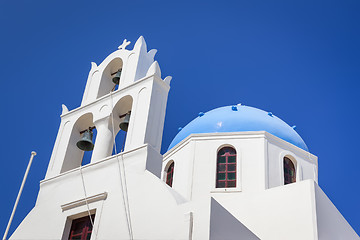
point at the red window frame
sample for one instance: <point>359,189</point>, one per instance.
<point>170,174</point>
<point>289,171</point>
<point>81,227</point>
<point>226,168</point>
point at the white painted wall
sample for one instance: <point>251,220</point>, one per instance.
<point>153,209</point>
<point>305,162</point>
<point>259,157</point>
<point>330,223</point>
<point>280,213</point>
<point>260,202</point>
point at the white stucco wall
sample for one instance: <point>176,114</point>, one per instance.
<point>153,210</point>
<point>280,213</point>
<point>259,156</point>
<point>331,224</point>
<point>259,166</point>
<point>305,162</point>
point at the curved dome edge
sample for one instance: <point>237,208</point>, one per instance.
<point>242,119</point>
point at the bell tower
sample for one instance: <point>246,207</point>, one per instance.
<point>109,197</point>
<point>126,90</point>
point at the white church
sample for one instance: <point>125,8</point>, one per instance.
<point>235,172</point>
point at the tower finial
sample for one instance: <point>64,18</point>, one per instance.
<point>124,44</point>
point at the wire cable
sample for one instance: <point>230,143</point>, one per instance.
<point>123,185</point>
<point>86,201</point>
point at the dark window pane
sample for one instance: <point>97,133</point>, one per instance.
<point>81,228</point>
<point>170,174</point>
<point>231,151</point>
<point>289,171</point>
<point>226,167</point>
<point>221,176</point>
<point>221,167</point>
<point>222,160</point>
<point>231,159</point>
<point>76,238</point>
<point>231,176</point>
<point>231,167</point>
<point>221,152</point>
<point>220,184</point>
<point>231,184</point>
<point>78,228</point>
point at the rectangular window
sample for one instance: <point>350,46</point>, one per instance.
<point>81,228</point>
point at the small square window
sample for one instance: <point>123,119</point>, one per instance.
<point>81,228</point>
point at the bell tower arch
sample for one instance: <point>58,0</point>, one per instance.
<point>137,96</point>
<point>106,83</point>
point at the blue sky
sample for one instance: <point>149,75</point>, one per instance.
<point>297,59</point>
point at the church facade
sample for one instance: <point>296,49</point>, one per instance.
<point>235,172</point>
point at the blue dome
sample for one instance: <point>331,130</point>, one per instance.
<point>239,119</point>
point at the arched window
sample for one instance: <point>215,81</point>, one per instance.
<point>226,168</point>
<point>170,174</point>
<point>289,171</point>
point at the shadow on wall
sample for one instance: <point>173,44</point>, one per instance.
<point>224,226</point>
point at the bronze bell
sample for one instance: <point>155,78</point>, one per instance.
<point>116,79</point>
<point>125,123</point>
<point>85,143</point>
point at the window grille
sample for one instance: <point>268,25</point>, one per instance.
<point>289,171</point>
<point>170,174</point>
<point>81,228</point>
<point>226,168</point>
